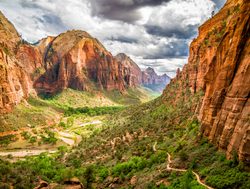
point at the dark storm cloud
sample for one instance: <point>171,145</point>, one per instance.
<point>124,10</point>
<point>170,50</point>
<point>123,39</point>
<point>178,32</point>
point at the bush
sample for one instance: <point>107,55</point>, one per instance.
<point>93,111</point>
<point>103,173</point>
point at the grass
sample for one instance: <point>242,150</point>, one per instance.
<point>122,147</point>
<point>94,161</point>
<point>48,111</point>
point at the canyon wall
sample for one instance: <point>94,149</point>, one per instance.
<point>76,60</point>
<point>134,76</point>
<point>219,67</point>
<point>14,81</point>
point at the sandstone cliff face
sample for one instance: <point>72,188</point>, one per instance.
<point>14,81</point>
<point>76,60</point>
<point>130,71</point>
<point>133,76</point>
<point>219,65</point>
<point>149,76</point>
<point>73,59</point>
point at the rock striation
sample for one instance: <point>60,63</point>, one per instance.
<point>219,66</point>
<point>130,71</point>
<point>76,60</point>
<point>14,81</point>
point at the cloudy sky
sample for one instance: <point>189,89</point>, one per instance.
<point>154,33</point>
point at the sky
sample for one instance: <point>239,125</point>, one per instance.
<point>153,33</point>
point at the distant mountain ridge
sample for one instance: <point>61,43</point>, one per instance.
<point>147,78</point>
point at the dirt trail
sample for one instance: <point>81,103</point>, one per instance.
<point>24,153</point>
<point>91,123</point>
<point>184,170</point>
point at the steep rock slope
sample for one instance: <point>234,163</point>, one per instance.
<point>130,71</point>
<point>73,59</point>
<point>14,81</point>
<point>219,65</point>
<point>134,76</point>
<point>76,60</point>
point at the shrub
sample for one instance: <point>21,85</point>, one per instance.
<point>103,173</point>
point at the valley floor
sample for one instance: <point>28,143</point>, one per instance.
<point>112,146</point>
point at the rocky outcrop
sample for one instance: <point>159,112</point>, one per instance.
<point>134,76</point>
<point>73,59</point>
<point>14,81</point>
<point>149,77</point>
<point>76,60</point>
<point>219,65</point>
<point>130,71</point>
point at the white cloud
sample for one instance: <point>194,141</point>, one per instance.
<point>163,51</point>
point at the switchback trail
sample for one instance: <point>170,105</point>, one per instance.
<point>184,170</point>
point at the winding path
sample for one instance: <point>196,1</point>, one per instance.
<point>184,170</point>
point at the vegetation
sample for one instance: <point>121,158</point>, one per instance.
<point>93,111</point>
<point>132,142</point>
<point>7,139</point>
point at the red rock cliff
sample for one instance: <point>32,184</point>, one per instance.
<point>14,81</point>
<point>130,71</point>
<point>73,59</point>
<point>76,60</point>
<point>219,65</point>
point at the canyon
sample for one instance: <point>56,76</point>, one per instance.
<point>219,67</point>
<point>72,115</point>
<point>73,59</point>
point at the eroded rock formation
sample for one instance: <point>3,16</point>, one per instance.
<point>76,60</point>
<point>130,71</point>
<point>134,76</point>
<point>14,82</point>
<point>219,65</point>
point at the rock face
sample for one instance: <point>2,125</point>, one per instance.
<point>153,81</point>
<point>76,60</point>
<point>219,65</point>
<point>130,71</point>
<point>14,81</point>
<point>134,76</point>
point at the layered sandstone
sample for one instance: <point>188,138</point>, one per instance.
<point>134,76</point>
<point>73,59</point>
<point>76,60</point>
<point>14,81</point>
<point>219,65</point>
<point>130,71</point>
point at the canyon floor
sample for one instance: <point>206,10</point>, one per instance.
<point>103,144</point>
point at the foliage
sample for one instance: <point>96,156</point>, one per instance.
<point>7,139</point>
<point>93,111</point>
